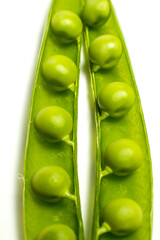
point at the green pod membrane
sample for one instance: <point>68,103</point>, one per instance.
<point>57,232</point>
<point>50,198</point>
<point>130,125</point>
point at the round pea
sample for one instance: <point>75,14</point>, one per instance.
<point>51,182</point>
<point>96,13</point>
<point>66,25</point>
<point>105,51</point>
<point>54,123</point>
<point>123,156</point>
<point>59,72</point>
<point>57,232</point>
<point>123,216</point>
<point>116,99</point>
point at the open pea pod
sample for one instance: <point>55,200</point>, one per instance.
<point>51,191</point>
<point>123,199</point>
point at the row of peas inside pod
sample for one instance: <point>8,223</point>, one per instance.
<point>122,157</point>
<point>55,124</point>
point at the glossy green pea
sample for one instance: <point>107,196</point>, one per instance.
<point>123,156</point>
<point>66,25</point>
<point>123,216</point>
<point>57,232</point>
<point>59,72</point>
<point>51,183</point>
<point>116,99</point>
<point>54,123</point>
<point>105,51</point>
<point>96,12</point>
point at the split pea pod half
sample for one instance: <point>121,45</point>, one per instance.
<point>123,195</point>
<point>52,208</point>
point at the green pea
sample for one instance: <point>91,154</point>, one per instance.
<point>116,98</point>
<point>67,26</point>
<point>51,183</point>
<point>123,216</point>
<point>105,51</point>
<point>123,156</point>
<point>96,12</point>
<point>59,72</point>
<point>54,123</point>
<point>57,232</point>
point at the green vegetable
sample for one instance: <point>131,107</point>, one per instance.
<point>51,156</point>
<point>66,26</point>
<point>57,232</point>
<point>96,12</point>
<point>116,99</point>
<point>51,182</point>
<point>118,116</point>
<point>105,51</point>
<point>51,191</point>
<point>54,123</point>
<point>123,216</point>
<point>59,72</point>
<point>123,156</point>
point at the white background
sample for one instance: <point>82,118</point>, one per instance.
<point>21,27</point>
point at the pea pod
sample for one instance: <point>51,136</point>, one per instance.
<point>123,159</point>
<point>51,192</point>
